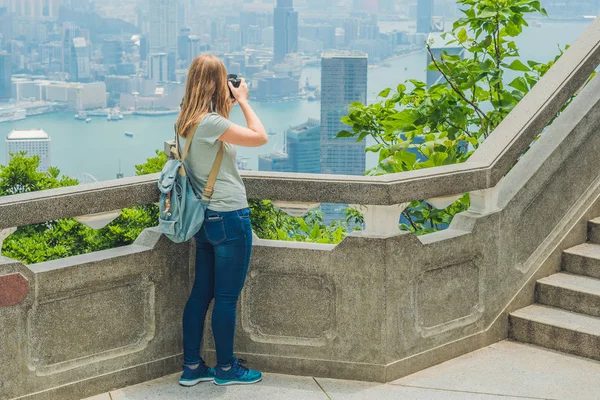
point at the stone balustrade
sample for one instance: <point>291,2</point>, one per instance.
<point>379,305</point>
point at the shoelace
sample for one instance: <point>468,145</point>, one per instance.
<point>241,361</point>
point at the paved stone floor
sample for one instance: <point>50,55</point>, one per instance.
<point>503,371</point>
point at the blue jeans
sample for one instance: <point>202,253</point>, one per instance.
<point>223,249</point>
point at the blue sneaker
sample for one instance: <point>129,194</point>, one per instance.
<point>191,377</point>
<point>237,374</point>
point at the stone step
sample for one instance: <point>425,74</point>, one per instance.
<point>593,235</point>
<point>557,329</point>
<point>577,293</point>
<point>583,259</point>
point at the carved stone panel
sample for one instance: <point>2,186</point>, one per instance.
<point>289,308</point>
<point>93,324</point>
<point>448,297</point>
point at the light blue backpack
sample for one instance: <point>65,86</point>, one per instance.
<point>181,211</point>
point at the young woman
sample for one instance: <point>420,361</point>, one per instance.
<point>224,244</point>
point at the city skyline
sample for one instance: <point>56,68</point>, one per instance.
<point>67,55</point>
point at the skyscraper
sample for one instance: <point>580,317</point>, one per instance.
<point>34,9</point>
<point>5,77</point>
<point>34,142</point>
<point>301,151</point>
<point>275,162</point>
<point>285,30</point>
<point>424,15</point>
<point>163,31</point>
<point>69,32</point>
<point>302,143</point>
<point>182,44</point>
<point>350,31</point>
<point>158,67</point>
<point>80,60</point>
<point>343,81</point>
<point>81,70</point>
<point>112,51</point>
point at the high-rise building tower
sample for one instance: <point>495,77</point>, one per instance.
<point>158,67</point>
<point>81,70</point>
<point>5,77</point>
<point>301,151</point>
<point>424,15</point>
<point>112,51</point>
<point>163,31</point>
<point>285,30</point>
<point>33,9</point>
<point>350,31</point>
<point>303,143</point>
<point>182,44</point>
<point>34,142</point>
<point>343,81</point>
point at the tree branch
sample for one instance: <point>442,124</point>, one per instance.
<point>408,217</point>
<point>457,90</point>
<point>458,127</point>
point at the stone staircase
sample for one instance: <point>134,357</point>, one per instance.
<point>567,314</point>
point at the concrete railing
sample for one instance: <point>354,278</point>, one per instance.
<point>377,306</point>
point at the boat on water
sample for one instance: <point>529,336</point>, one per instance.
<point>88,120</point>
<point>81,115</point>
<point>114,115</point>
<point>271,133</point>
<point>128,134</point>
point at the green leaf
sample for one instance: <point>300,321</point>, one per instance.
<point>315,233</point>
<point>404,117</point>
<point>374,148</point>
<point>384,92</point>
<point>406,158</point>
<point>418,84</point>
<point>520,84</point>
<point>344,134</point>
<point>517,65</point>
<point>462,35</point>
<point>487,14</point>
<point>282,235</point>
<point>513,29</point>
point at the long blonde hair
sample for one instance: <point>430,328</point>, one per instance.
<point>206,91</point>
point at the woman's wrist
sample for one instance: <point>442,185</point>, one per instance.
<point>243,101</point>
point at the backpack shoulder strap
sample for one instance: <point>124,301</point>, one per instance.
<point>188,142</point>
<point>214,171</point>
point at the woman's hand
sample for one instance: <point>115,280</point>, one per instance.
<point>240,93</point>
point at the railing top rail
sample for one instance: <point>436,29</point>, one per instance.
<point>483,170</point>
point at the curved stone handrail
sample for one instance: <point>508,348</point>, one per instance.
<point>483,170</point>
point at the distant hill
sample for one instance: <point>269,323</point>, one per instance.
<point>98,26</point>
